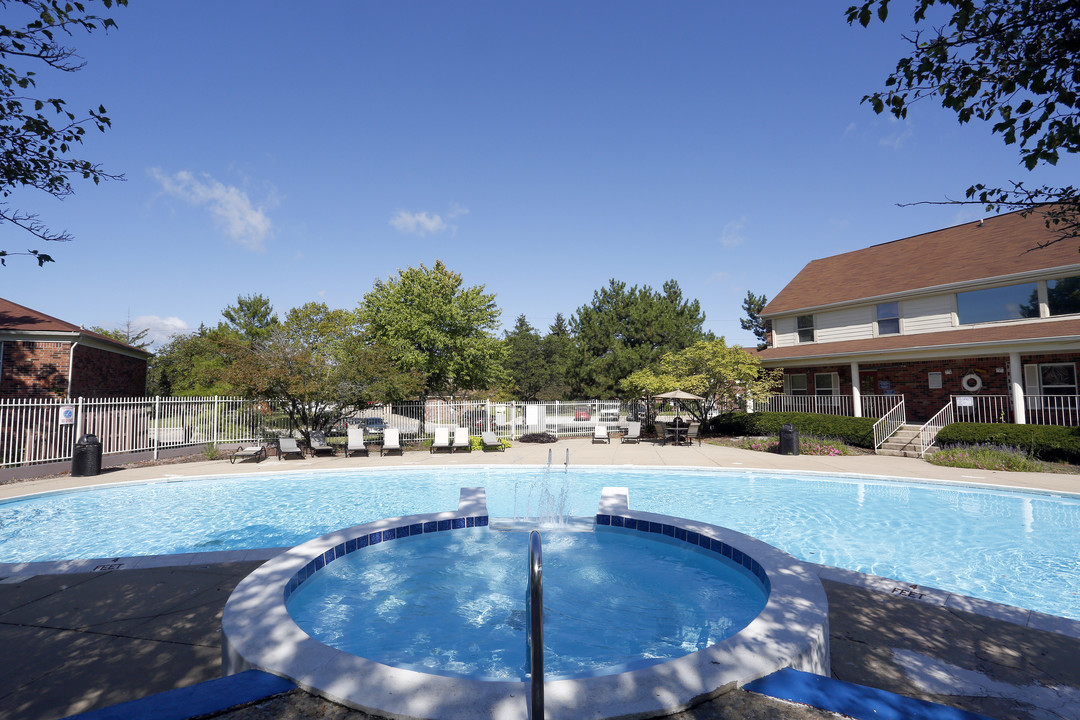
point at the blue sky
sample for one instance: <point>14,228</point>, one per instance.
<point>302,150</point>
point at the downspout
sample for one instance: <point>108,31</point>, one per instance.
<point>71,366</point>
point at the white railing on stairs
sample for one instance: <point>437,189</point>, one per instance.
<point>928,432</point>
<point>889,424</point>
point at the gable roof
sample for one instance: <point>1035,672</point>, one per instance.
<point>996,247</point>
<point>19,319</point>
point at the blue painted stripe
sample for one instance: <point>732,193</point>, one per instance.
<point>205,698</point>
<point>856,701</point>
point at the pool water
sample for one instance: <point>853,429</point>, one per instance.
<point>1011,547</point>
<point>453,603</point>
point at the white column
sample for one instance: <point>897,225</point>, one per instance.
<point>1016,385</point>
<point>856,393</point>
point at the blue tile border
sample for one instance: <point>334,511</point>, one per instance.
<point>367,540</point>
<point>690,537</point>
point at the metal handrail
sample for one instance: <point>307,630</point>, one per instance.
<point>889,424</point>
<point>928,432</point>
<point>535,611</point>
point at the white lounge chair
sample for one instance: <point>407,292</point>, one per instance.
<point>288,446</point>
<point>442,440</point>
<point>600,434</point>
<point>391,440</point>
<point>461,439</point>
<point>491,442</point>
<point>355,442</point>
<point>633,432</point>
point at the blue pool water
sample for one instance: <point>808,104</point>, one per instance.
<point>1016,548</point>
<point>453,603</point>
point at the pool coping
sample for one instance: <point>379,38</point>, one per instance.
<point>791,631</point>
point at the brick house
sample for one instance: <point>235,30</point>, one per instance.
<point>974,315</point>
<point>43,357</point>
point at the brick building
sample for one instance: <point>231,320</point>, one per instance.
<point>977,312</point>
<point>43,357</point>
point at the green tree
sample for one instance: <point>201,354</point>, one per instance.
<point>252,317</point>
<point>1012,63</point>
<point>558,351</point>
<point>126,334</point>
<point>37,131</point>
<point>724,375</point>
<point>627,329</point>
<point>527,372</point>
<point>195,364</point>
<point>431,324</point>
<point>752,305</point>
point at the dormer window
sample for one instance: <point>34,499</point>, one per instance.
<point>805,326</point>
<point>888,318</point>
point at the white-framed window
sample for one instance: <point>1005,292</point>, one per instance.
<point>826,383</point>
<point>795,384</point>
<point>804,325</point>
<point>888,318</point>
<point>1063,296</point>
<point>1012,302</point>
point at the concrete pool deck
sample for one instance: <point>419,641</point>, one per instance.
<point>91,638</point>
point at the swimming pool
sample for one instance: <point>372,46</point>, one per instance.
<point>1011,547</point>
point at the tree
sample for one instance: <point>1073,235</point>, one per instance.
<point>558,350</point>
<point>252,316</point>
<point>429,323</point>
<point>724,375</point>
<point>528,373</point>
<point>126,334</point>
<point>195,364</point>
<point>628,329</point>
<point>36,153</point>
<point>1013,63</point>
<point>752,305</point>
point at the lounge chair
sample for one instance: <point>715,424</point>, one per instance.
<point>391,440</point>
<point>633,432</point>
<point>693,433</point>
<point>461,439</point>
<point>491,442</point>
<point>317,444</point>
<point>355,441</point>
<point>288,446</point>
<point>242,453</point>
<point>600,434</point>
<point>442,440</point>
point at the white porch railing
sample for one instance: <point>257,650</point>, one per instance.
<point>928,432</point>
<point>874,406</point>
<point>889,423</point>
<point>1061,410</point>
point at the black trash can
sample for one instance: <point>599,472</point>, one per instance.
<point>86,460</point>
<point>789,440</point>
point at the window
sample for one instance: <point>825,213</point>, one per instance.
<point>888,318</point>
<point>1063,295</point>
<point>805,325</point>
<point>1012,302</point>
<point>796,384</point>
<point>826,384</point>
<point>1058,378</point>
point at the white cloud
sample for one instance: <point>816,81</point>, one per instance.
<point>161,330</point>
<point>732,235</point>
<point>902,134</point>
<point>230,206</point>
<point>423,223</point>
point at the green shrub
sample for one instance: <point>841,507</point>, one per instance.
<point>850,430</point>
<point>1045,442</point>
<point>541,437</point>
<point>986,457</point>
<point>477,443</point>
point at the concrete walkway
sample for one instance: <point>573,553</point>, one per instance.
<point>75,641</point>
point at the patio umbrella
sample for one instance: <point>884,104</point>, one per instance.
<point>678,395</point>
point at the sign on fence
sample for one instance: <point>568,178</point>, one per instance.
<point>67,414</point>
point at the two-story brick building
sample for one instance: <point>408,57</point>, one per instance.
<point>43,357</point>
<point>978,312</point>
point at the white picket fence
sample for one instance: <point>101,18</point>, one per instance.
<point>45,430</point>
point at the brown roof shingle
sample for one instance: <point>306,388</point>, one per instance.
<point>999,246</point>
<point>19,318</point>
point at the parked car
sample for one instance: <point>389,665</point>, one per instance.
<point>609,415</point>
<point>371,425</point>
<point>582,413</point>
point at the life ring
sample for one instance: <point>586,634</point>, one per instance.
<point>971,382</point>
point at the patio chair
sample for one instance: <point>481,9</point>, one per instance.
<point>693,433</point>
<point>243,453</point>
<point>461,439</point>
<point>317,443</point>
<point>355,441</point>
<point>633,432</point>
<point>288,446</point>
<point>442,440</point>
<point>391,440</point>
<point>661,432</point>
<point>491,442</point>
<point>600,434</point>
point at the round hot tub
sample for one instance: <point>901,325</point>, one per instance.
<point>424,616</point>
